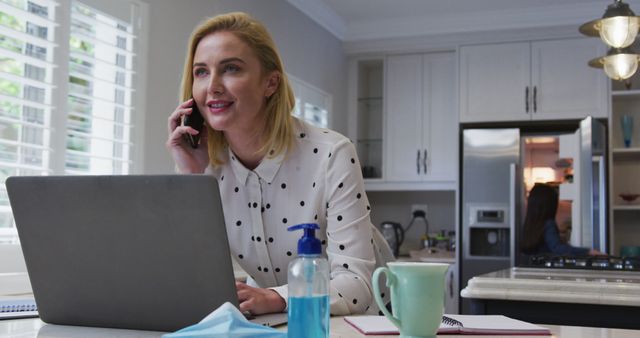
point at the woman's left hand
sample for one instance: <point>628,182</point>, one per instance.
<point>259,301</point>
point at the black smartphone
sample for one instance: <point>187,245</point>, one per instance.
<point>195,121</point>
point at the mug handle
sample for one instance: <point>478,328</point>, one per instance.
<point>391,280</point>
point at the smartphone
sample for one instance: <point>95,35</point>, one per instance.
<point>195,121</point>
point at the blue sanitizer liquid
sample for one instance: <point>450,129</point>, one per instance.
<point>309,318</point>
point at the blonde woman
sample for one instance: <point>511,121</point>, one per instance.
<point>274,170</point>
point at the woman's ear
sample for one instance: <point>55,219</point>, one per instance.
<point>273,81</point>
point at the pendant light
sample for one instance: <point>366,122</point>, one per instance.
<point>618,27</point>
<point>619,63</point>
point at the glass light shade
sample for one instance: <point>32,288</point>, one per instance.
<point>620,66</point>
<point>619,31</point>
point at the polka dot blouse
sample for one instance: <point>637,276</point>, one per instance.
<point>318,181</point>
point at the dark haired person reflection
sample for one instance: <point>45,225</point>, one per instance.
<point>541,234</point>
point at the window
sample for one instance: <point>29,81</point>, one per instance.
<point>26,66</point>
<point>66,90</point>
<point>312,104</point>
<point>100,90</point>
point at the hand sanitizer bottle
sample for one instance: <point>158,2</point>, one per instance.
<point>308,279</point>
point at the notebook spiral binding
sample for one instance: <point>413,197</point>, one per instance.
<point>18,308</point>
<point>451,322</point>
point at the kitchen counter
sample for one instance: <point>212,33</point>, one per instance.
<point>557,285</point>
<point>433,256</point>
<point>552,294</point>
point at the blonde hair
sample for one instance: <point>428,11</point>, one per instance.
<point>279,122</point>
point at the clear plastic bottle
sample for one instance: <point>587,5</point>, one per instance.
<point>308,279</point>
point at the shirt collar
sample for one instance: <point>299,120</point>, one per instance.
<point>266,170</point>
<point>269,166</point>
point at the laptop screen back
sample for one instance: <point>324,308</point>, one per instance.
<point>136,252</point>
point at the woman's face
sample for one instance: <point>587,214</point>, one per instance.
<point>228,83</point>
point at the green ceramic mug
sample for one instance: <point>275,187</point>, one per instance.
<point>417,296</point>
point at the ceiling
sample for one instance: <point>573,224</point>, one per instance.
<point>357,20</point>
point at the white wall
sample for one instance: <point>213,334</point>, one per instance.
<point>309,52</point>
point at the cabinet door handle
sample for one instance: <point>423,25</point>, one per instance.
<point>424,161</point>
<point>418,162</point>
<point>535,98</point>
<point>526,99</point>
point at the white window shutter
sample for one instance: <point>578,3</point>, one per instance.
<point>26,54</point>
<point>100,91</point>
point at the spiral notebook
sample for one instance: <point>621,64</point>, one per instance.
<point>12,308</point>
<point>454,324</point>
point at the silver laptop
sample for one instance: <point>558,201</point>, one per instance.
<point>134,252</point>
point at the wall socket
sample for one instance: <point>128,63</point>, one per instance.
<point>422,207</point>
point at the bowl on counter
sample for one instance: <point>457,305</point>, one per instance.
<point>629,198</point>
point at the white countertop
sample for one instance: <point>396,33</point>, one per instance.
<point>35,328</point>
<point>433,256</point>
<point>557,285</point>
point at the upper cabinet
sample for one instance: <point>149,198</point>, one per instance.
<point>404,122</point>
<point>543,80</point>
<point>421,120</point>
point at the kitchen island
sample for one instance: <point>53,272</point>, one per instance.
<point>559,296</point>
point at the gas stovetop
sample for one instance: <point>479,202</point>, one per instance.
<point>589,262</point>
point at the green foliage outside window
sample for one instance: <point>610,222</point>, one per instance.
<point>81,66</point>
<point>76,143</point>
<point>10,44</point>
<point>79,81</point>
<point>9,88</point>
<point>11,22</point>
<point>80,124</point>
<point>9,109</point>
<point>78,45</point>
<point>9,65</point>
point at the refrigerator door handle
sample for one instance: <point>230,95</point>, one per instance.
<point>602,201</point>
<point>512,211</point>
<point>418,161</point>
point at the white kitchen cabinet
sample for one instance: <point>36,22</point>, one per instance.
<point>421,123</point>
<point>542,80</point>
<point>494,82</point>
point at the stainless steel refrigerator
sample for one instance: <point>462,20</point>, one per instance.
<point>500,165</point>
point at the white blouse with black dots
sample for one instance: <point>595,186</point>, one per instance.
<point>318,181</point>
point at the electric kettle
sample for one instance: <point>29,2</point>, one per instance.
<point>394,234</point>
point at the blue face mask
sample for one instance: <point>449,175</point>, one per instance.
<point>226,321</point>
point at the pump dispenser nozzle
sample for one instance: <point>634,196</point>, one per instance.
<point>308,244</point>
